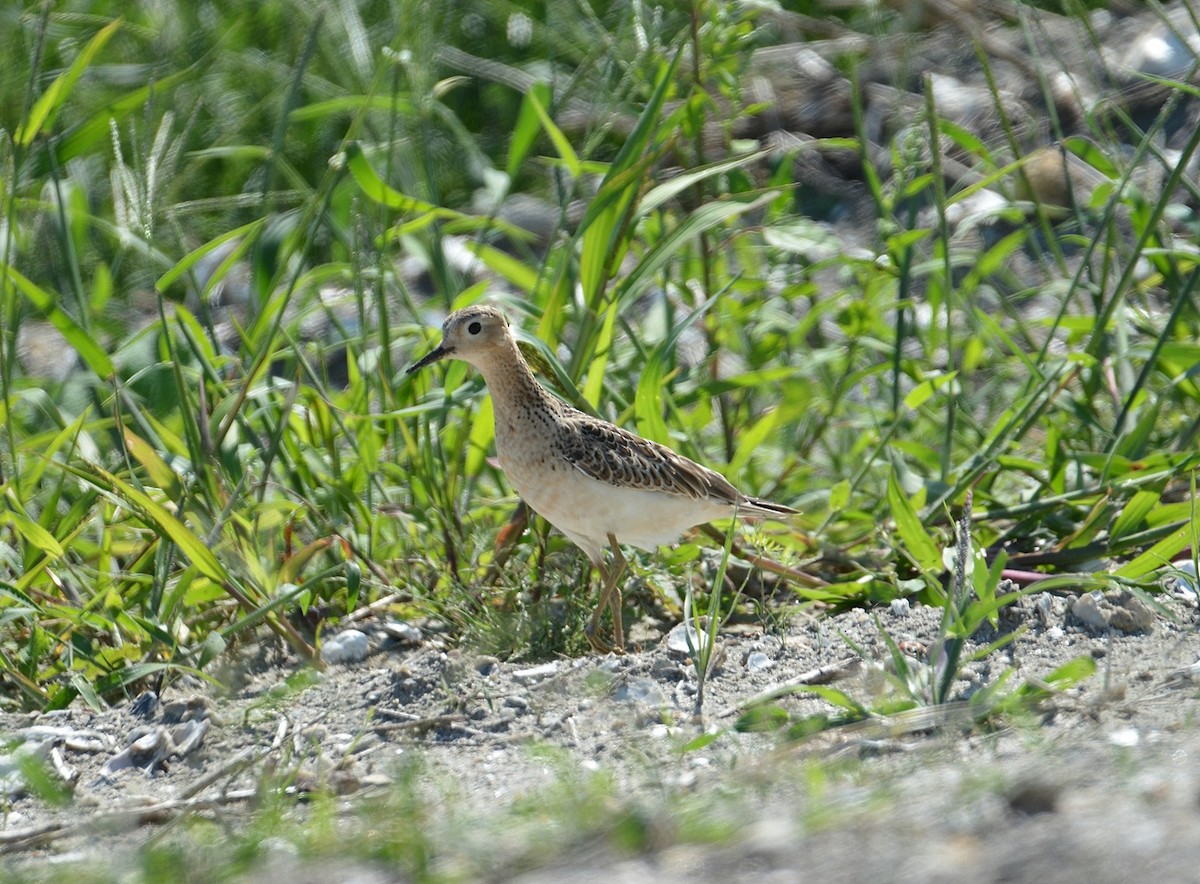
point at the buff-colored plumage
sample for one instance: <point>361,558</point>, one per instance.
<point>597,483</point>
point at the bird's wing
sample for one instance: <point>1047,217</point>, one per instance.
<point>609,454</point>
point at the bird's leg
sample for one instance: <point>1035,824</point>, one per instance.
<point>616,569</point>
<point>593,628</point>
<point>610,597</point>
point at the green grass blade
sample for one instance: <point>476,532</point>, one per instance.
<point>565,152</point>
<point>1163,552</point>
<point>45,110</point>
<point>90,351</point>
<point>155,515</point>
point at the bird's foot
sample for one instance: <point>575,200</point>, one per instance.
<point>600,645</point>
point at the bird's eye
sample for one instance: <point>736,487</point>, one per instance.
<point>475,328</point>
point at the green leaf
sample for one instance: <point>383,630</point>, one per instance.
<point>1134,513</point>
<point>353,584</point>
<point>19,598</point>
<point>599,364</point>
<point>1069,674</point>
<point>561,144</point>
<point>33,533</point>
<point>129,674</point>
<point>701,741</point>
<point>375,189</point>
<point>352,104</point>
<point>526,130</point>
<point>247,233</point>
<point>84,138</point>
<point>838,698</point>
<point>85,690</point>
<point>213,647</point>
<point>648,400</point>
<point>604,225</point>
<point>913,534</point>
<point>751,441</point>
<point>159,473</point>
<point>40,783</point>
<point>500,262</point>
<point>924,391</point>
<point>762,718</point>
<point>839,496</point>
<point>677,185</point>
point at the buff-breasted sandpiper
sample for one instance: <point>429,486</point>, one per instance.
<point>598,484</point>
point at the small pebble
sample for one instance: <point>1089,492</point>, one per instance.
<point>666,670</point>
<point>145,704</point>
<point>1044,607</point>
<point>899,607</point>
<point>643,691</point>
<point>1086,609</point>
<point>348,646</point>
<point>1126,737</point>
<point>404,633</point>
<point>758,661</point>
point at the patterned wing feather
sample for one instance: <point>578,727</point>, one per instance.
<point>609,454</point>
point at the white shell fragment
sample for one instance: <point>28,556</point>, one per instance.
<point>150,748</point>
<point>535,673</point>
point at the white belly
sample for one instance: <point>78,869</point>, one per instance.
<point>587,510</point>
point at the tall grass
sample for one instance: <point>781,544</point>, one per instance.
<point>207,466</point>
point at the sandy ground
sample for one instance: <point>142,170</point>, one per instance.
<point>1100,782</point>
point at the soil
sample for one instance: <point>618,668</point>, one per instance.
<point>1098,782</point>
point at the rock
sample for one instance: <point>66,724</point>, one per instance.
<point>1116,610</point>
<point>12,782</point>
<point>144,705</point>
<point>685,641</point>
<point>1130,614</point>
<point>185,710</point>
<point>1086,609</point>
<point>485,664</point>
<point>348,646</point>
<point>1180,580</point>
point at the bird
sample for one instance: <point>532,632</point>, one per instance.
<point>600,485</point>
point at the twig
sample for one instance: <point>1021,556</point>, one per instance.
<point>163,812</point>
<point>246,757</point>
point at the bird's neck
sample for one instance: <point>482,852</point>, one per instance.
<point>511,382</point>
